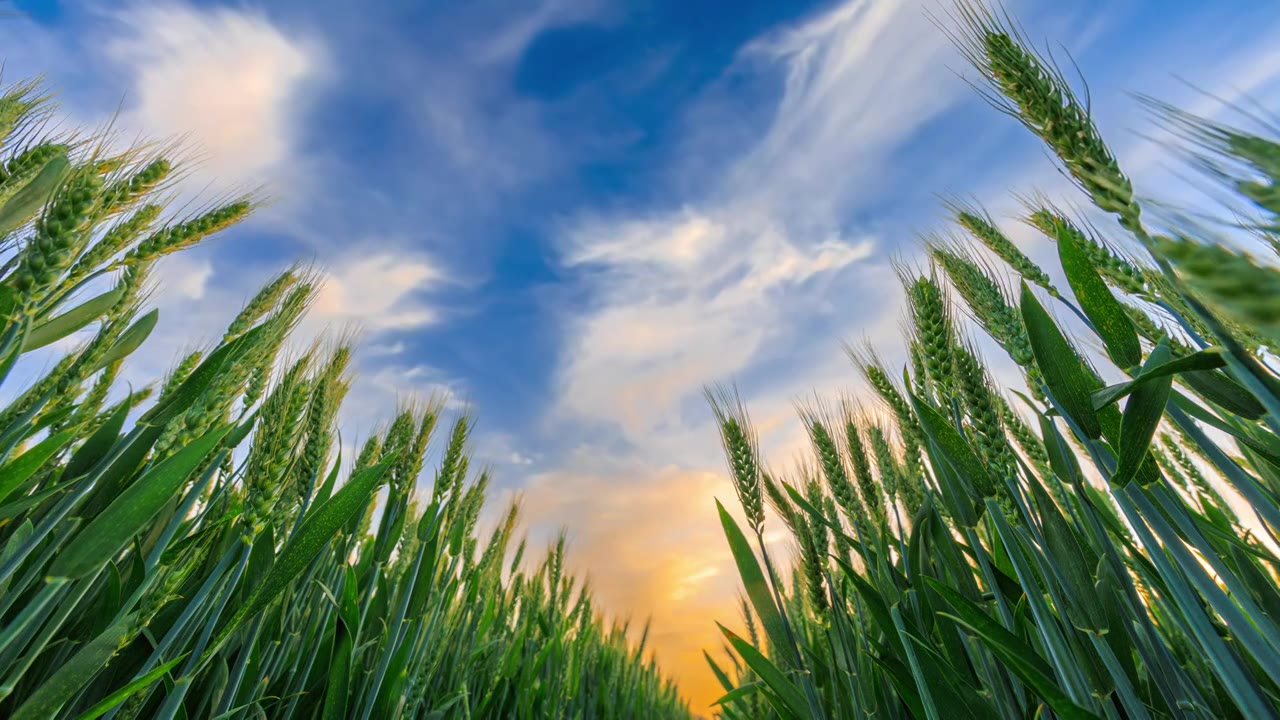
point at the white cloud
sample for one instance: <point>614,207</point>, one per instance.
<point>504,448</point>
<point>226,80</point>
<point>185,276</point>
<point>707,291</point>
<point>516,458</point>
<point>379,389</point>
<point>525,22</point>
<point>383,349</point>
<point>377,292</point>
<point>689,299</point>
<point>859,81</point>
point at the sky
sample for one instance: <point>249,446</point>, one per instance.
<point>572,215</point>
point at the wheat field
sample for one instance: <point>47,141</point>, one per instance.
<point>963,545</point>
<point>1051,545</point>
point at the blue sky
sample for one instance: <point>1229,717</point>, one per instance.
<point>571,214</point>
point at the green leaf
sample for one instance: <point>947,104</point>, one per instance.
<point>98,445</point>
<point>241,431</point>
<point>816,514</point>
<point>131,339</point>
<point>1016,654</point>
<point>1142,415</point>
<point>20,469</point>
<point>899,676</point>
<point>131,511</point>
<point>875,603</point>
<point>913,660</point>
<point>1269,453</point>
<point>757,588</point>
<point>442,711</point>
<point>181,398</point>
<point>1110,597</point>
<point>734,693</point>
<point>74,673</point>
<point>27,201</point>
<point>8,302</point>
<point>128,690</point>
<point>315,532</point>
<point>111,480</point>
<point>1226,663</point>
<point>792,703</point>
<point>950,687</point>
<point>336,689</point>
<point>1207,359</point>
<point>49,419</point>
<point>1075,563</point>
<point>1223,391</point>
<point>1063,370</point>
<point>72,320</point>
<point>1062,460</point>
<point>11,343</point>
<point>391,695</point>
<point>13,508</point>
<point>959,490</point>
<point>1099,305</point>
<point>349,604</point>
<point>1250,572</point>
<point>720,676</point>
<point>262,553</point>
<point>326,489</point>
<point>428,536</point>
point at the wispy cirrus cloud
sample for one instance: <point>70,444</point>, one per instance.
<point>708,289</point>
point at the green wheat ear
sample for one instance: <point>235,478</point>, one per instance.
<point>1118,271</point>
<point>869,492</point>
<point>931,326</point>
<point>815,545</point>
<point>818,421</point>
<point>57,238</point>
<point>740,448</point>
<point>872,368</point>
<point>1249,163</point>
<point>892,482</point>
<point>1232,283</point>
<point>221,524</point>
<point>980,225</point>
<point>187,233</point>
<point>1036,93</point>
<point>986,301</point>
<point>24,105</point>
<point>1031,444</point>
<point>266,300</point>
<point>984,415</point>
<point>143,181</point>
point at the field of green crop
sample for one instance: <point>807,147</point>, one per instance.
<point>1056,546</point>
<point>195,549</point>
<point>1078,549</point>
